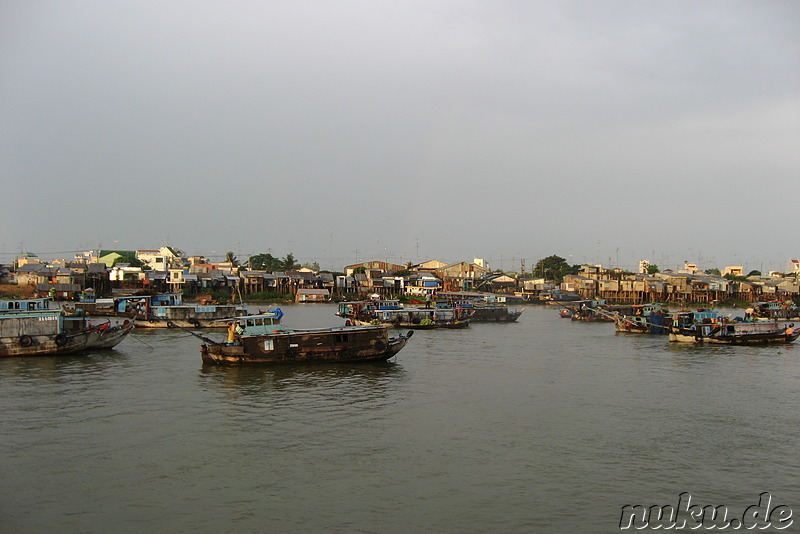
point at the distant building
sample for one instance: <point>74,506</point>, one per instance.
<point>644,266</point>
<point>161,259</point>
<point>27,258</point>
<point>735,270</point>
<point>793,267</point>
<point>482,263</point>
<point>430,265</point>
<point>689,268</point>
<point>380,265</point>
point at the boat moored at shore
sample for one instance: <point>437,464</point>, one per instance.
<point>389,313</point>
<point>53,332</point>
<point>163,310</point>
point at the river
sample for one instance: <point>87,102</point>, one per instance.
<point>544,425</point>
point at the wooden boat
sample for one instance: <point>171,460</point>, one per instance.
<point>645,319</point>
<point>53,332</point>
<point>705,326</point>
<point>164,310</point>
<point>108,335</point>
<point>492,313</point>
<point>261,338</point>
<point>485,310</point>
<point>389,313</point>
<point>591,311</point>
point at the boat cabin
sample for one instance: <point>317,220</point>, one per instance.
<point>261,324</point>
<point>688,320</point>
<point>16,305</point>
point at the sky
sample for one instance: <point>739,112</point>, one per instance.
<point>353,130</point>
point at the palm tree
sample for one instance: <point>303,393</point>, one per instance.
<point>230,258</point>
<point>289,262</point>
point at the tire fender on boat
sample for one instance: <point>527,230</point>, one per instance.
<point>25,340</point>
<point>61,340</point>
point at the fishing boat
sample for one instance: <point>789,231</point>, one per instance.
<point>644,319</point>
<point>261,338</point>
<point>54,332</point>
<point>590,311</point>
<point>706,326</point>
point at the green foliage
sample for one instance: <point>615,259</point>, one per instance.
<point>231,259</point>
<point>265,262</point>
<point>754,273</point>
<point>314,266</point>
<point>653,269</point>
<point>130,260</point>
<point>714,271</point>
<point>268,262</point>
<point>735,277</point>
<point>268,296</point>
<point>552,268</point>
<point>289,263</point>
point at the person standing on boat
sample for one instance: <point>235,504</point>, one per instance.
<point>231,333</point>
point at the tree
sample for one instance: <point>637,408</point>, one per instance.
<point>714,271</point>
<point>653,269</point>
<point>230,258</point>
<point>289,262</point>
<point>265,262</point>
<point>552,268</point>
<point>754,273</point>
<point>730,276</point>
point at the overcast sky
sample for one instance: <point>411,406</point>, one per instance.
<point>351,130</point>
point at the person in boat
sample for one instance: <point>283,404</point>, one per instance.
<point>235,332</point>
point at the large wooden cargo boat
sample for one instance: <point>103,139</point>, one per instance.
<point>261,338</point>
<point>52,332</point>
<point>391,314</point>
<point>163,310</point>
<point>706,326</point>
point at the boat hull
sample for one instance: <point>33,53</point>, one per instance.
<point>756,339</point>
<point>111,336</point>
<point>44,345</point>
<point>494,315</point>
<point>739,334</point>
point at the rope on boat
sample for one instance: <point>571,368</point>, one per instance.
<point>173,325</point>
